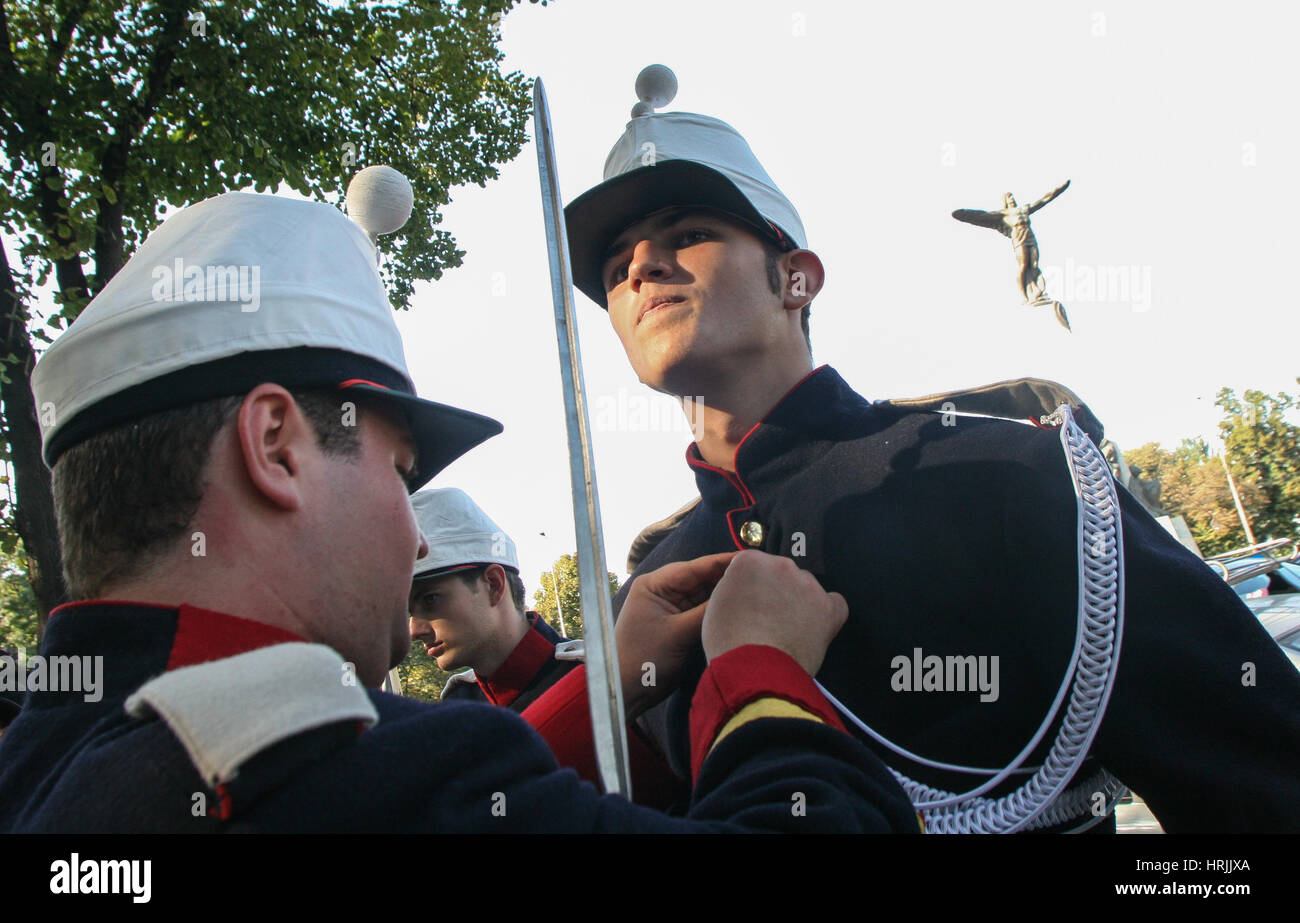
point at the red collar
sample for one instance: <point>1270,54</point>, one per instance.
<point>532,653</point>
<point>203,635</point>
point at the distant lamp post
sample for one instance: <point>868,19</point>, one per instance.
<point>555,588</point>
<point>1236,498</point>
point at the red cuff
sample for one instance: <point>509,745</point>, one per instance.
<point>743,675</point>
<point>562,715</point>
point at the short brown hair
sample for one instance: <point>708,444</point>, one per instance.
<point>123,497</point>
<point>472,577</point>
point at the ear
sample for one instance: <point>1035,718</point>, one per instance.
<point>804,277</point>
<point>495,575</point>
<point>274,440</point>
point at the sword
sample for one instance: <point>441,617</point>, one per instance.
<point>604,690</point>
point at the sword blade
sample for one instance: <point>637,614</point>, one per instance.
<point>604,689</point>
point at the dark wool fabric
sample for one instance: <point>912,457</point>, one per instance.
<point>76,767</point>
<point>550,673</point>
<point>961,540</point>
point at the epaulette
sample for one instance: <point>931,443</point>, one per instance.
<point>250,722</point>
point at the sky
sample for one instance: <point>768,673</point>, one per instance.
<point>877,121</point>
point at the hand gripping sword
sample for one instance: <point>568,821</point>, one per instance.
<point>604,689</point>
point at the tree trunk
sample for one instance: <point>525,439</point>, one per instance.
<point>34,510</point>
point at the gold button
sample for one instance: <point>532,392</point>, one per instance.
<point>751,533</point>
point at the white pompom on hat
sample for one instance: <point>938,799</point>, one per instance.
<point>380,200</point>
<point>231,292</point>
<point>667,159</point>
<point>459,533</point>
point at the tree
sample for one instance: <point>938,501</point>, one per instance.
<point>1265,448</point>
<point>17,605</point>
<point>1263,452</point>
<point>421,676</point>
<point>1194,486</point>
<point>113,113</point>
<point>565,569</point>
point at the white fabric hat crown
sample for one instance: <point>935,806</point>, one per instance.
<point>672,159</point>
<point>235,290</point>
<point>459,534</point>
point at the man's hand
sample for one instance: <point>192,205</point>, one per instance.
<point>660,625</point>
<point>767,599</point>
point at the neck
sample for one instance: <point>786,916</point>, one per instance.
<point>175,582</point>
<point>731,406</point>
<point>513,630</point>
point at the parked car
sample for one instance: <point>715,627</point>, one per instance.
<point>1280,616</point>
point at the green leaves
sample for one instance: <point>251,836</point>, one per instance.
<point>1263,452</point>
<point>563,576</point>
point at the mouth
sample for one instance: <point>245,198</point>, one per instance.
<point>652,305</point>
<point>434,649</point>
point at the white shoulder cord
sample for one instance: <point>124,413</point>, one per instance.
<point>1042,801</point>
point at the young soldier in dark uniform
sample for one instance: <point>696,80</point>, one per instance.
<point>951,537</point>
<point>467,608</point>
<point>231,466</point>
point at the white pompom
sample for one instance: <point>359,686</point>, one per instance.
<point>380,200</point>
<point>642,109</point>
<point>656,85</point>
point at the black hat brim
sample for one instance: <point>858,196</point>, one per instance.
<point>594,219</point>
<point>442,433</point>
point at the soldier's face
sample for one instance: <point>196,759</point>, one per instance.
<point>452,620</point>
<point>689,297</point>
<point>372,541</point>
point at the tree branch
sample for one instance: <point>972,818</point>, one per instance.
<point>6,56</point>
<point>34,512</point>
<point>113,165</point>
<point>63,38</point>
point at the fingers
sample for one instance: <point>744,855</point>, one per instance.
<point>683,580</point>
<point>839,610</point>
<point>766,599</point>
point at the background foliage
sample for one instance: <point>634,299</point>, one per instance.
<point>1263,452</point>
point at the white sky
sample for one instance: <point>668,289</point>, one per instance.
<point>877,120</point>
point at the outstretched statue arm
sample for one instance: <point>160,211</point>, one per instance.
<point>982,218</point>
<point>1047,198</point>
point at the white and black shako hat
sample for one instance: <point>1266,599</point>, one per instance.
<point>670,159</point>
<point>459,533</point>
<point>238,290</point>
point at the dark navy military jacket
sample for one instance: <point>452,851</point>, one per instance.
<point>960,540</point>
<point>72,765</point>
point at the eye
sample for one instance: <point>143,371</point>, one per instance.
<point>692,236</point>
<point>615,276</point>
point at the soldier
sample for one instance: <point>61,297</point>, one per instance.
<point>233,434</point>
<point>467,608</point>
<point>952,538</point>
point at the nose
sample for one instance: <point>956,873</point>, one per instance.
<point>650,263</point>
<point>420,628</point>
<point>424,547</point>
